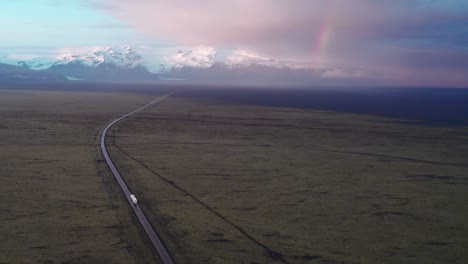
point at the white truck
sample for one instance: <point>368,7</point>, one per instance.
<point>134,199</point>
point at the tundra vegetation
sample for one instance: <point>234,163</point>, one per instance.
<point>225,183</point>
<point>59,203</point>
<point>229,183</point>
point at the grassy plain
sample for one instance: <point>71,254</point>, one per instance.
<point>58,202</point>
<point>227,183</point>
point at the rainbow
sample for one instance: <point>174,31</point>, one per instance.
<point>323,35</point>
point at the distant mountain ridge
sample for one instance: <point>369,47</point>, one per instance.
<point>98,64</point>
<point>103,72</point>
<point>125,58</point>
<point>15,73</point>
<point>122,58</point>
<point>202,63</point>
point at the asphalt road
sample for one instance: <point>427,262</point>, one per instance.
<point>166,258</point>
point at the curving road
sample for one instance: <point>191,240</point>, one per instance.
<point>155,240</point>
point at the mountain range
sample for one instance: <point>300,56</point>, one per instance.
<point>124,64</point>
<point>11,73</point>
<point>98,64</point>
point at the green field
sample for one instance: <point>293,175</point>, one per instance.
<point>229,184</point>
<point>226,183</point>
<point>59,204</point>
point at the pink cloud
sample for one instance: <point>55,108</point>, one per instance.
<point>382,36</point>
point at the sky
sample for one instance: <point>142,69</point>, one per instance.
<point>401,42</point>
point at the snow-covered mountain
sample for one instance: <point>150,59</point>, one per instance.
<point>37,64</point>
<point>124,64</point>
<point>206,57</point>
<point>198,57</point>
<point>240,66</point>
<point>124,57</point>
<point>98,63</point>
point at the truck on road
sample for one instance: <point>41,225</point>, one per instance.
<point>134,199</point>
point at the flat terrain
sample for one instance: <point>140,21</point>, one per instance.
<point>226,183</point>
<point>242,184</point>
<point>58,202</point>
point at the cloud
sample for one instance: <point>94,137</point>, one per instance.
<point>342,73</point>
<point>385,36</point>
<point>404,39</point>
<point>296,23</point>
<point>240,23</point>
<point>244,58</point>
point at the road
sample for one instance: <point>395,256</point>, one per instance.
<point>166,258</point>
